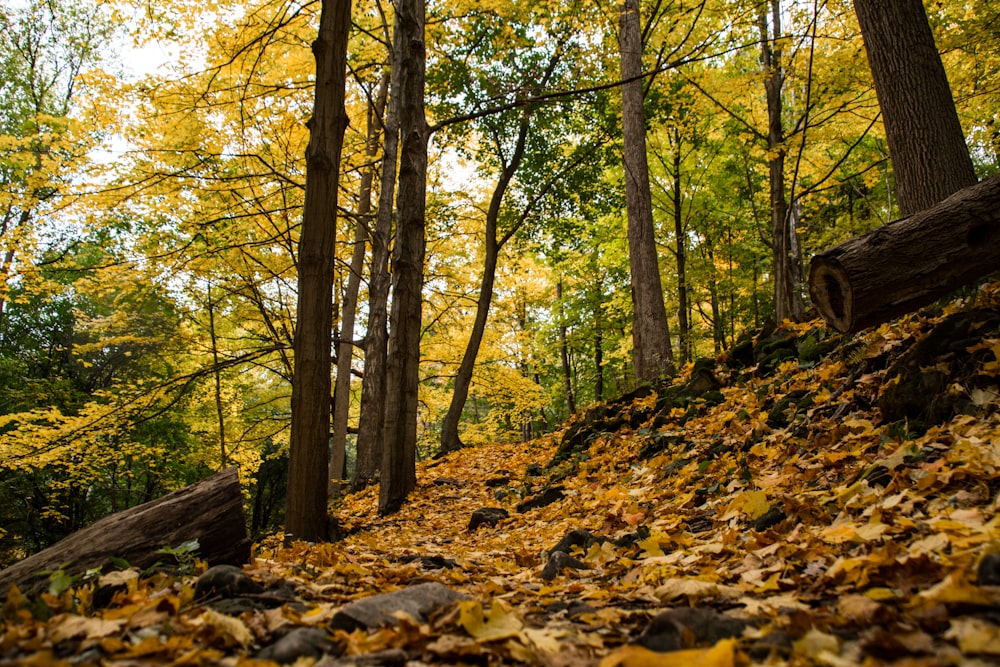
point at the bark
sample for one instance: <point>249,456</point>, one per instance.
<point>788,304</point>
<point>598,357</point>
<point>683,325</point>
<point>220,412</point>
<point>929,156</point>
<point>210,511</point>
<point>910,262</point>
<point>403,356</point>
<point>308,466</point>
<point>372,419</point>
<point>651,351</point>
<point>567,373</point>
<point>345,350</point>
<point>463,380</point>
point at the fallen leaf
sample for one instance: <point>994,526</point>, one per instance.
<point>723,654</point>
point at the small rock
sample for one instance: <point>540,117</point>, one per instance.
<point>300,643</point>
<point>684,627</point>
<point>771,518</point>
<point>559,561</point>
<point>546,497</point>
<point>225,581</point>
<point>494,482</point>
<point>575,538</point>
<point>419,601</point>
<point>489,516</point>
<point>989,570</point>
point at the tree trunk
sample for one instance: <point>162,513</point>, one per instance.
<point>598,357</point>
<point>651,351</point>
<point>683,324</point>
<point>910,262</point>
<point>567,374</point>
<point>308,466</point>
<point>929,156</point>
<point>210,511</point>
<point>788,304</point>
<point>372,420</point>
<point>463,380</point>
<point>403,358</point>
<point>345,350</point>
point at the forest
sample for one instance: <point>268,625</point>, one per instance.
<point>159,175</point>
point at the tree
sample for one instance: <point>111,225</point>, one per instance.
<point>650,332</point>
<point>929,156</point>
<point>305,511</point>
<point>345,349</point>
<point>403,355</point>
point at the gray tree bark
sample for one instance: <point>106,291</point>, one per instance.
<point>399,475</point>
<point>309,453</point>
<point>345,350</point>
<point>929,155</point>
<point>651,351</point>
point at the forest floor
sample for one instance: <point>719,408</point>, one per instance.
<point>806,499</point>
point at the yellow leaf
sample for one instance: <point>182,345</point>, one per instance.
<point>500,623</point>
<point>722,654</point>
<point>753,503</point>
<point>227,628</point>
<point>650,547</point>
<point>975,635</point>
<point>68,626</point>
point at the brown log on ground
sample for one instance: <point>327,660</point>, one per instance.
<point>910,262</point>
<point>210,511</point>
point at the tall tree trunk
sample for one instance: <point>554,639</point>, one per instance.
<point>217,375</point>
<point>308,466</point>
<point>598,357</point>
<point>463,380</point>
<point>683,324</point>
<point>788,303</point>
<point>567,374</point>
<point>371,423</point>
<point>399,475</point>
<point>930,159</point>
<point>651,351</point>
<point>345,350</point>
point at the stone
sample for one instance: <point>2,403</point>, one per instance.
<point>225,581</point>
<point>420,601</point>
<point>489,516</point>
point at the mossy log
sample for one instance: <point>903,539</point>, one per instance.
<point>210,511</point>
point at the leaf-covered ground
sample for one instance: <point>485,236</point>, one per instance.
<point>808,498</point>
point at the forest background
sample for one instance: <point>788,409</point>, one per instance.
<point>151,221</point>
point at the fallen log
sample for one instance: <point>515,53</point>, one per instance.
<point>210,511</point>
<point>910,262</point>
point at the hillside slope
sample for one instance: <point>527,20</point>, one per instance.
<point>808,498</point>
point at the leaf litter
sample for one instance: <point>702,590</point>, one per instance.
<point>818,500</point>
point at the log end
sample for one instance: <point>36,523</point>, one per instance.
<point>831,293</point>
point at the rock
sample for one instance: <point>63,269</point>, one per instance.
<point>429,562</point>
<point>226,581</point>
<point>419,601</point>
<point>300,643</point>
<point>546,497</point>
<point>494,482</point>
<point>575,538</point>
<point>989,570</point>
<point>559,561</point>
<point>489,516</point>
<point>769,519</point>
<point>685,627</point>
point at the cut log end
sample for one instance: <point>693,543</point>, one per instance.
<point>832,294</point>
